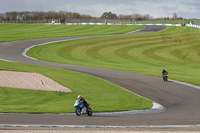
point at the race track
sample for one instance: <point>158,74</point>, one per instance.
<point>181,102</point>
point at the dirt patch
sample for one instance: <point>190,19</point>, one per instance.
<point>33,81</point>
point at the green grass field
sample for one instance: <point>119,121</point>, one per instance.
<point>13,32</point>
<point>102,95</point>
<point>176,49</point>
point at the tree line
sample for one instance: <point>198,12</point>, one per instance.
<point>40,15</point>
<point>63,15</point>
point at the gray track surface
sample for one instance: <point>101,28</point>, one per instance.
<point>182,103</point>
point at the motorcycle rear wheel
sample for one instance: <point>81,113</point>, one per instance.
<point>89,111</point>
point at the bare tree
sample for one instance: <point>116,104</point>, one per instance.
<point>125,17</point>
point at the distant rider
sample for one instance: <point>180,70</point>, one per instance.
<point>82,100</point>
<point>164,72</point>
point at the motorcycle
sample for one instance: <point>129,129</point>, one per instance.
<point>81,109</point>
<point>165,77</point>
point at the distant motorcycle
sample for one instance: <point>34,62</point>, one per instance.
<point>81,109</point>
<point>165,77</point>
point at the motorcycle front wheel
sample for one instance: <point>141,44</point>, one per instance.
<point>78,111</point>
<point>165,79</point>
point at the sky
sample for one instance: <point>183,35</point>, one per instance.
<point>95,8</point>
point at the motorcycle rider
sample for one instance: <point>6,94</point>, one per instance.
<point>82,100</point>
<point>82,107</point>
<point>164,72</point>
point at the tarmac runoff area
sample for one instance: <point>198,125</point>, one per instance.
<point>33,81</point>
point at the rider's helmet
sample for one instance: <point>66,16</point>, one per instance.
<point>79,97</point>
<point>163,71</point>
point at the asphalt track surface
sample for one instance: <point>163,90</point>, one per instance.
<point>182,103</point>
